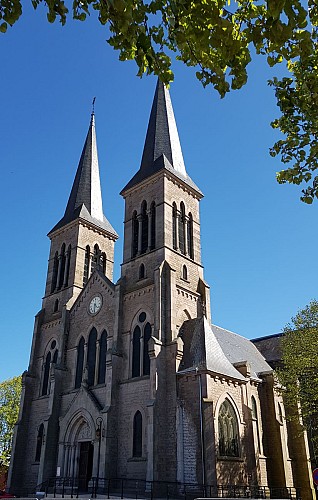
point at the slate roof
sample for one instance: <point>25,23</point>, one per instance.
<point>85,200</point>
<point>162,149</point>
<point>270,347</point>
<point>216,349</point>
<point>203,350</point>
<point>237,348</point>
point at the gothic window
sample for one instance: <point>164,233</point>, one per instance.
<point>103,262</point>
<point>46,376</point>
<point>68,262</point>
<point>55,356</point>
<point>146,360</point>
<point>255,421</point>
<point>56,305</point>
<point>174,226</point>
<point>280,413</point>
<point>182,241</point>
<point>136,352</point>
<point>140,338</point>
<point>144,227</point>
<point>228,431</point>
<point>96,257</point>
<point>62,266</point>
<point>141,271</point>
<point>184,272</point>
<point>39,442</point>
<point>153,226</point>
<point>190,236</point>
<point>91,357</point>
<point>55,270</point>
<point>80,363</point>
<point>86,265</point>
<point>137,435</point>
<point>135,234</point>
<point>102,358</point>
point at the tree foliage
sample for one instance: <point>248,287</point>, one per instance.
<point>299,374</point>
<point>218,38</point>
<point>10,393</point>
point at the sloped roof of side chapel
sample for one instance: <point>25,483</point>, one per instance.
<point>162,149</point>
<point>85,200</point>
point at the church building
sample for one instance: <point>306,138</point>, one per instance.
<point>131,380</point>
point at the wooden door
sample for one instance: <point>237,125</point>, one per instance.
<point>85,466</point>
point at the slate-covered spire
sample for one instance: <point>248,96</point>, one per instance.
<point>162,149</point>
<point>85,200</point>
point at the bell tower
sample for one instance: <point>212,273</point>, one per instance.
<point>83,239</point>
<point>162,221</point>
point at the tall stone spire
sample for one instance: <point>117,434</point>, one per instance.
<point>162,149</point>
<point>85,200</point>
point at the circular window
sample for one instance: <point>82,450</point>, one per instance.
<point>53,344</point>
<point>142,317</point>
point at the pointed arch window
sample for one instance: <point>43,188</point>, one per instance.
<point>39,443</point>
<point>68,262</point>
<point>91,357</point>
<point>182,241</point>
<point>135,234</point>
<point>141,271</point>
<point>103,262</point>
<point>55,271</point>
<point>137,435</point>
<point>153,226</point>
<point>46,376</point>
<point>56,305</point>
<point>190,235</point>
<point>255,422</point>
<point>102,358</point>
<point>80,363</point>
<point>86,265</point>
<point>228,431</point>
<point>136,352</point>
<point>174,226</point>
<point>140,356</point>
<point>144,227</point>
<point>146,360</point>
<point>61,271</point>
<point>185,272</point>
<point>96,258</point>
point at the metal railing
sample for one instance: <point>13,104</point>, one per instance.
<point>142,489</point>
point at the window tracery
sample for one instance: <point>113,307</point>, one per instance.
<point>228,431</point>
<point>140,338</point>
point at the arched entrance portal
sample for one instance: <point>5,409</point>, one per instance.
<point>79,452</point>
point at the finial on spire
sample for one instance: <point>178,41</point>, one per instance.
<point>93,106</point>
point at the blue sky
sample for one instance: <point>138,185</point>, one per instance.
<point>258,239</point>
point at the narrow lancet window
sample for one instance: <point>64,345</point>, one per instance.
<point>141,271</point>
<point>91,357</point>
<point>153,226</point>
<point>86,265</point>
<point>135,234</point>
<point>46,375</point>
<point>136,352</point>
<point>182,242</point>
<point>102,358</point>
<point>144,227</point>
<point>190,236</point>
<point>80,363</point>
<point>185,272</point>
<point>39,442</point>
<point>62,259</point>
<point>68,263</point>
<point>146,360</point>
<point>174,226</point>
<point>137,435</point>
<point>55,270</point>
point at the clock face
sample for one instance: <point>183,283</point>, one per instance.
<point>95,304</point>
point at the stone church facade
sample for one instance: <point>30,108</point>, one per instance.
<point>131,379</point>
